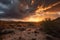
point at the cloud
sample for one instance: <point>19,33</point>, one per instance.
<point>17,11</point>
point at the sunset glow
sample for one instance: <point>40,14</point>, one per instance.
<point>39,14</point>
<point>30,10</point>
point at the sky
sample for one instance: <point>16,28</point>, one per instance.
<point>18,9</point>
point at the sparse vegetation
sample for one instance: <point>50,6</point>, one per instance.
<point>52,27</point>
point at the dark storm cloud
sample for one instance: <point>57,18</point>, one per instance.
<point>55,8</point>
<point>8,9</point>
<point>18,11</point>
<point>46,3</point>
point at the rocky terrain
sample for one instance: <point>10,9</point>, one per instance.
<point>20,31</point>
<point>10,30</point>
